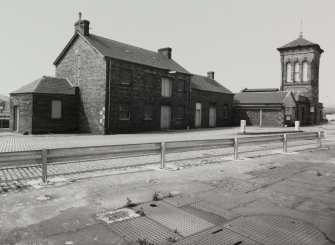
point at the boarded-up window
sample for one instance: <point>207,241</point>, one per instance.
<point>180,112</point>
<point>296,72</point>
<point>124,112</point>
<point>149,80</point>
<point>288,72</point>
<point>225,111</point>
<point>148,112</point>
<point>304,71</point>
<point>166,87</point>
<point>56,109</point>
<point>126,76</point>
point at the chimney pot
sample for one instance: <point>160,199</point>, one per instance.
<point>210,74</point>
<point>166,51</point>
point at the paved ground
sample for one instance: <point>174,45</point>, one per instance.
<point>298,185</point>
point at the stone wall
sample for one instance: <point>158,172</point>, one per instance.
<point>42,121</point>
<point>86,68</point>
<point>25,104</point>
<point>138,94</point>
<point>270,117</point>
<point>207,98</point>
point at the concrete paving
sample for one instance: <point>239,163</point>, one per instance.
<point>299,185</point>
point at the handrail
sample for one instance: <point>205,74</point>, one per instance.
<point>59,155</point>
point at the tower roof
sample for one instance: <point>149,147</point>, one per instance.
<point>300,42</point>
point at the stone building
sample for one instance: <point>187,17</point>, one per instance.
<point>121,88</point>
<point>300,61</point>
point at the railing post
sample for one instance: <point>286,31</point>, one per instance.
<point>319,139</point>
<point>235,148</point>
<point>162,154</point>
<point>284,142</point>
<point>44,165</point>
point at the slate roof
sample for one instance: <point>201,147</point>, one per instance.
<point>126,52</point>
<point>260,97</point>
<point>207,84</point>
<point>47,85</point>
<point>260,90</point>
<point>300,42</point>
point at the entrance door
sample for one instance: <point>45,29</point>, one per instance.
<point>16,118</point>
<point>212,116</point>
<point>165,117</point>
<point>198,115</point>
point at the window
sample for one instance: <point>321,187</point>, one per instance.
<point>288,73</point>
<point>304,71</point>
<point>225,111</point>
<point>56,109</point>
<point>180,112</point>
<point>296,72</point>
<point>148,112</point>
<point>124,113</point>
<point>149,80</point>
<point>181,86</point>
<point>166,87</point>
<point>126,76</point>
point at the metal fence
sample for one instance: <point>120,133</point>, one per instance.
<point>46,157</point>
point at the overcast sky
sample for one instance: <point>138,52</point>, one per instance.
<point>237,39</point>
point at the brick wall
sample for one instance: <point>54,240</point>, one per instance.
<point>42,121</point>
<point>25,105</point>
<point>207,98</point>
<point>138,94</point>
<point>91,79</point>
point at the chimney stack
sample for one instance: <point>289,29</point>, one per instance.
<point>210,74</point>
<point>82,26</point>
<point>166,51</point>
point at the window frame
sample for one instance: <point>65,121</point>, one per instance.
<point>183,86</point>
<point>225,111</point>
<point>296,72</point>
<point>181,113</point>
<point>304,71</point>
<point>122,110</point>
<point>58,115</point>
<point>289,72</point>
<point>151,83</point>
<point>152,112</point>
<point>123,71</point>
<point>163,87</point>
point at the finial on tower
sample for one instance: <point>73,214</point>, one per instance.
<point>300,36</point>
<point>79,19</point>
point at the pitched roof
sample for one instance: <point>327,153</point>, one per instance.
<point>126,52</point>
<point>207,84</point>
<point>260,90</point>
<point>260,97</point>
<point>47,85</point>
<point>300,42</point>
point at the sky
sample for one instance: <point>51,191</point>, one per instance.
<point>237,38</point>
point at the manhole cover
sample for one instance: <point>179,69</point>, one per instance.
<point>174,218</point>
<point>142,228</point>
<point>117,215</point>
<point>270,229</point>
<point>217,236</point>
<point>181,200</point>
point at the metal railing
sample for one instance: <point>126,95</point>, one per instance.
<point>47,157</point>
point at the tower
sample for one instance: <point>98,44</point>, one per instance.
<point>300,60</point>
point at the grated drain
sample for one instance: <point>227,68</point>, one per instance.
<point>270,229</point>
<point>181,200</point>
<point>217,236</point>
<point>143,228</point>
<point>174,218</point>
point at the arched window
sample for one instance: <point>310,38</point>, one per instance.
<point>288,73</point>
<point>304,71</point>
<point>296,72</point>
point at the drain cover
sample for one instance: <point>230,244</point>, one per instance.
<point>181,200</point>
<point>217,236</point>
<point>174,218</point>
<point>270,229</point>
<point>143,228</point>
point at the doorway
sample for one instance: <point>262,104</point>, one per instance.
<point>198,115</point>
<point>212,116</point>
<point>165,117</point>
<point>16,118</point>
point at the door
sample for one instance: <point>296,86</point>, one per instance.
<point>16,118</point>
<point>198,115</point>
<point>212,116</point>
<point>165,117</point>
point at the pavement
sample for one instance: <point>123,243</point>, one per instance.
<point>297,185</point>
